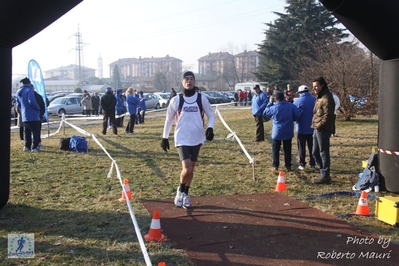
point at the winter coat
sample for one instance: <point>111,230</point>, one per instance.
<point>142,104</point>
<point>86,102</point>
<point>108,102</point>
<point>132,103</point>
<point>284,114</point>
<point>323,112</point>
<point>28,105</point>
<point>259,102</point>
<point>120,103</point>
<point>305,104</point>
<point>95,102</point>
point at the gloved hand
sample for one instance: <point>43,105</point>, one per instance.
<point>165,144</point>
<point>209,133</point>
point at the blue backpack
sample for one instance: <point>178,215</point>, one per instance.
<point>78,144</point>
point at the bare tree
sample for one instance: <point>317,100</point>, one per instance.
<point>350,73</point>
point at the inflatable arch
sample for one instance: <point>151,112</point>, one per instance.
<point>374,23</point>
<point>19,21</point>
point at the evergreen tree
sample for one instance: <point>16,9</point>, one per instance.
<point>116,78</point>
<point>306,26</point>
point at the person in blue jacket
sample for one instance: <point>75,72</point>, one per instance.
<point>142,108</point>
<point>30,115</point>
<point>305,104</point>
<point>120,108</point>
<point>259,102</point>
<point>283,114</point>
<point>132,104</point>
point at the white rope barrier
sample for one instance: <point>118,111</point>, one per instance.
<point>234,136</point>
<point>109,175</point>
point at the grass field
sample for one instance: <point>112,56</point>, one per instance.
<point>72,208</point>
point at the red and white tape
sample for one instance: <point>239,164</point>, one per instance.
<point>389,152</point>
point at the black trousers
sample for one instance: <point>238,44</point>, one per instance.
<point>303,141</point>
<point>130,124</point>
<point>260,130</point>
<point>111,117</point>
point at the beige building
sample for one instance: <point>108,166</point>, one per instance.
<point>145,67</point>
<point>221,71</point>
<point>246,63</point>
<point>71,72</point>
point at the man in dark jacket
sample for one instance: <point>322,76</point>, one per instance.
<point>322,122</point>
<point>40,102</point>
<point>108,104</point>
<point>95,103</point>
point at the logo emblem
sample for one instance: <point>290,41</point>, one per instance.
<point>21,246</point>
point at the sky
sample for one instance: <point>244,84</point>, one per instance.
<point>186,30</point>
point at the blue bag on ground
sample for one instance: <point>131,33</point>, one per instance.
<point>78,144</point>
<point>368,180</point>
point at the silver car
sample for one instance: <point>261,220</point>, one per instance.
<point>151,101</point>
<point>65,105</point>
<point>163,98</point>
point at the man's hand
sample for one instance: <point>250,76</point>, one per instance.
<point>209,133</point>
<point>165,144</point>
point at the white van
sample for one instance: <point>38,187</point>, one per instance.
<point>248,86</point>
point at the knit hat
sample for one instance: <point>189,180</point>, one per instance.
<point>188,73</point>
<point>256,87</point>
<point>109,89</point>
<point>25,81</point>
<point>302,88</point>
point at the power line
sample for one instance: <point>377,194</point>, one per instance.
<point>188,28</point>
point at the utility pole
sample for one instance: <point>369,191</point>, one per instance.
<point>80,72</point>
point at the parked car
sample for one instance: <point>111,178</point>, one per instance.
<point>218,95</point>
<point>55,96</point>
<point>151,100</point>
<point>212,100</point>
<point>229,95</point>
<point>69,104</point>
<point>163,99</point>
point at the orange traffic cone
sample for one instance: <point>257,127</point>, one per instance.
<point>162,263</point>
<point>363,206</point>
<point>280,187</point>
<point>155,233</point>
<point>127,189</point>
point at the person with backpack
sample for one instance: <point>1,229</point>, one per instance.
<point>189,134</point>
